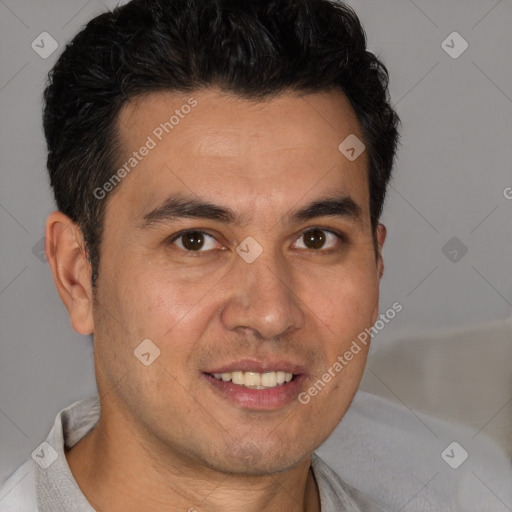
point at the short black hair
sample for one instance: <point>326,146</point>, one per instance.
<point>255,49</point>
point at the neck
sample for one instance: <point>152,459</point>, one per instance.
<point>117,472</point>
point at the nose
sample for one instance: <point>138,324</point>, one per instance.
<point>262,299</point>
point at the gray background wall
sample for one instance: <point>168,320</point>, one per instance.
<point>452,180</point>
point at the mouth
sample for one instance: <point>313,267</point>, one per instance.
<point>255,380</point>
<point>257,385</point>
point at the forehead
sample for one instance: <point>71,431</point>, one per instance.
<point>221,117</point>
<point>212,143</point>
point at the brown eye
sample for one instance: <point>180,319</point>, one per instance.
<point>194,241</point>
<point>314,239</point>
<point>317,238</point>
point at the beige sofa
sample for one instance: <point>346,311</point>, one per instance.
<point>460,375</point>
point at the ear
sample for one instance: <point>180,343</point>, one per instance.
<point>381,237</point>
<point>65,252</point>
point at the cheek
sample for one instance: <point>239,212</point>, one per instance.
<point>345,302</point>
<point>345,306</point>
<point>162,307</point>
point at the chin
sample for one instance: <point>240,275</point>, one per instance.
<point>248,459</point>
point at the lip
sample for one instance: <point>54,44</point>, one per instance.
<point>258,399</point>
<point>253,365</point>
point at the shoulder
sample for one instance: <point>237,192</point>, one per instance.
<point>18,492</point>
<point>391,451</point>
<point>29,485</point>
<point>335,494</point>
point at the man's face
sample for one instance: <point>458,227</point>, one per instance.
<point>294,307</point>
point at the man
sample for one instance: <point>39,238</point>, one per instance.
<point>219,170</point>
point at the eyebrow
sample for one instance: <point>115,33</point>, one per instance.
<point>179,206</point>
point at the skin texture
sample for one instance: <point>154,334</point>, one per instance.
<point>167,440</point>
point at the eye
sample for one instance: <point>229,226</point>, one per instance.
<point>318,238</point>
<point>194,241</point>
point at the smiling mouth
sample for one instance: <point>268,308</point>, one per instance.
<point>255,380</point>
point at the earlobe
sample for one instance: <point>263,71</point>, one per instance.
<point>65,252</point>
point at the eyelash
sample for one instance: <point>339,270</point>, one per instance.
<point>341,237</point>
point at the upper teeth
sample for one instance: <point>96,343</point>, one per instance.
<point>255,380</point>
